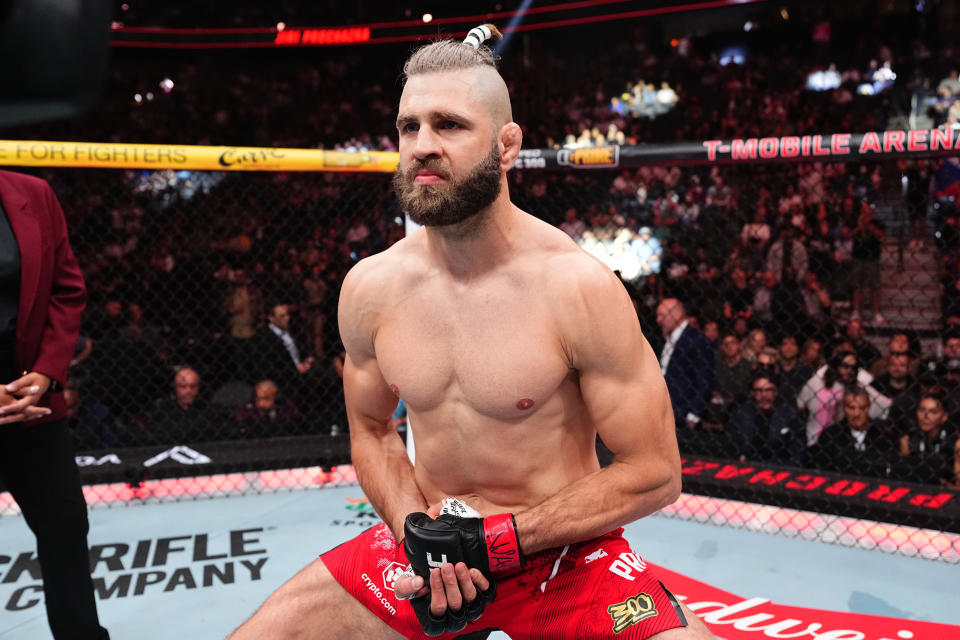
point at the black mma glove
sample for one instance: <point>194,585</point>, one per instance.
<point>488,544</point>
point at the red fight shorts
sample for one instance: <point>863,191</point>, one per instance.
<point>589,590</point>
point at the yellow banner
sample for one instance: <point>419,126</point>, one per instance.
<point>41,153</point>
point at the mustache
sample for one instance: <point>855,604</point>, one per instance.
<point>433,165</point>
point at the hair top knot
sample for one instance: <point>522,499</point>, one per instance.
<point>448,54</point>
<point>479,35</point>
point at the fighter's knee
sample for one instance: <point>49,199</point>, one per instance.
<point>291,610</point>
<point>695,629</point>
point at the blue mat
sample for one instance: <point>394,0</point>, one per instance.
<point>198,569</point>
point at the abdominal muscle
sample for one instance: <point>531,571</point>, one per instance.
<point>498,467</point>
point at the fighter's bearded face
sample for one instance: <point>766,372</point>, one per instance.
<point>451,199</point>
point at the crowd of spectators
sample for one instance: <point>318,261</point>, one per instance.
<point>213,295</point>
<point>945,107</point>
<point>839,405</point>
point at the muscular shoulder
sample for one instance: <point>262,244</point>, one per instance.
<point>592,304</point>
<point>583,283</point>
<point>372,285</point>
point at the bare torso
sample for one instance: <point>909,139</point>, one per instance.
<point>493,400</point>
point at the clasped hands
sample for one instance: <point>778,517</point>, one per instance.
<point>18,400</point>
<point>454,554</point>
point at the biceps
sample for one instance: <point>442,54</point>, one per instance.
<point>631,413</point>
<point>368,397</point>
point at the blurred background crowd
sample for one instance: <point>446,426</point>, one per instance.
<point>766,290</point>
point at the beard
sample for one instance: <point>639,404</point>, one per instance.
<point>444,204</point>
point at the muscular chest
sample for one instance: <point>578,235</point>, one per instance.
<point>496,351</point>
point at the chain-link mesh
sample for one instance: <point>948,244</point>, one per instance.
<point>817,371</point>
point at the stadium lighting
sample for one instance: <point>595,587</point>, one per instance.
<point>524,19</point>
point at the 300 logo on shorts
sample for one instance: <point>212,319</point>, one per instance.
<point>631,611</point>
<point>375,590</point>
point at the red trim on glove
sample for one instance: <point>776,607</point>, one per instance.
<point>503,544</point>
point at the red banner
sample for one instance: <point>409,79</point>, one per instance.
<point>733,617</point>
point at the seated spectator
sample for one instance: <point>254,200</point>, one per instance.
<point>766,428</point>
<point>766,363</point>
<point>928,450</point>
<point>811,354</point>
<point>755,343</point>
<point>268,415</point>
<point>895,378</point>
<point>648,251</point>
<point>572,225</point>
<point>731,381</point>
<point>857,444</point>
<point>183,417</point>
<point>950,383</point>
<point>866,353</point>
<point>793,373</point>
<point>91,422</point>
<point>711,331</point>
<point>820,396</point>
<point>900,346</point>
<point>951,345</point>
<point>592,245</point>
<point>107,321</point>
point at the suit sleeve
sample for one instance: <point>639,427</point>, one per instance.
<point>68,297</point>
<point>701,376</point>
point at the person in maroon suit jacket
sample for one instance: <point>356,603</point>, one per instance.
<point>42,296</point>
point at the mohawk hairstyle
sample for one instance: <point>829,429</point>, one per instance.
<point>452,55</point>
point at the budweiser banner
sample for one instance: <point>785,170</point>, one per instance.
<point>733,617</point>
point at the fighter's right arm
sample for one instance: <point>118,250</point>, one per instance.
<point>379,455</point>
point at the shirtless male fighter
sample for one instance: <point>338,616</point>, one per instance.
<point>512,349</point>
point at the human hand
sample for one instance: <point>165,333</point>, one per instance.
<point>455,596</point>
<point>444,596</point>
<point>450,585</point>
<point>6,398</point>
<point>26,392</point>
<point>306,365</point>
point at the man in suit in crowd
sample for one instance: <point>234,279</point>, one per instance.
<point>279,358</point>
<point>686,361</point>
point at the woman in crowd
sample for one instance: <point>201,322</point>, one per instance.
<point>929,450</point>
<point>821,396</point>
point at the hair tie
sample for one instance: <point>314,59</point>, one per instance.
<point>477,36</point>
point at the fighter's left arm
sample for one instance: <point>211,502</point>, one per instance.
<point>627,400</point>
